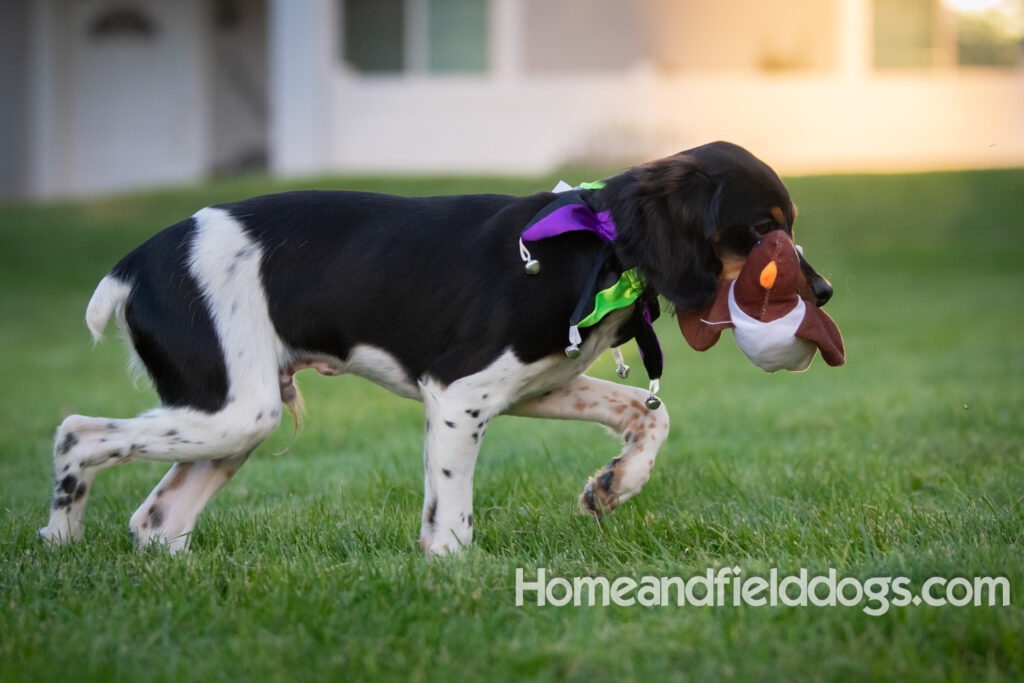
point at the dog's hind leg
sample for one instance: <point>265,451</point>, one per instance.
<point>170,512</point>
<point>196,313</point>
<point>620,408</point>
<point>86,445</point>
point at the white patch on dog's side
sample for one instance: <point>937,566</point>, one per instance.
<point>226,264</point>
<point>380,367</point>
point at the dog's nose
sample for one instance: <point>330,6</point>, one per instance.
<point>822,290</point>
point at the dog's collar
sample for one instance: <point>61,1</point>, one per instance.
<point>568,212</point>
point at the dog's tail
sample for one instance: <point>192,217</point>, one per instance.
<point>110,295</point>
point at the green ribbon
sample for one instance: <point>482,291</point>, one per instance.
<point>623,293</point>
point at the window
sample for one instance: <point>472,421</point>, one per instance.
<point>373,35</point>
<point>927,33</point>
<point>989,33</point>
<point>417,36</point>
<point>458,35</point>
<point>904,33</point>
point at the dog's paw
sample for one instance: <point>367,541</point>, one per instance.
<point>597,498</point>
<point>444,544</point>
<point>54,535</point>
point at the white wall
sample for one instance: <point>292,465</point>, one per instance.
<point>837,114</point>
<point>799,124</point>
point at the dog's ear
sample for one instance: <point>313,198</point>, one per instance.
<point>666,215</point>
<point>703,328</point>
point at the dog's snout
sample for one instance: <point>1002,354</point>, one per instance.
<point>822,290</point>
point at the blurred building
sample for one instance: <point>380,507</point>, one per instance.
<point>104,95</point>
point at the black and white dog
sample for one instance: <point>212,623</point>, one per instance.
<point>425,296</point>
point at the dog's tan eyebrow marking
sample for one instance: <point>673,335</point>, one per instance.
<point>731,268</point>
<point>777,214</point>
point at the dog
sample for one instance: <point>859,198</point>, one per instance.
<point>428,298</point>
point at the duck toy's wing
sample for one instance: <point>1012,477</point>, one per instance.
<point>818,327</point>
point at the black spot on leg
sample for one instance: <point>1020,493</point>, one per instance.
<point>70,439</point>
<point>450,423</point>
<point>61,502</point>
<point>66,467</point>
<point>112,426</point>
<point>470,519</point>
<point>485,396</point>
<point>473,413</point>
<point>156,516</point>
<point>480,425</point>
<point>80,491</point>
<point>606,479</point>
<point>259,416</point>
<point>447,473</point>
<point>171,432</point>
<point>431,512</point>
<point>476,437</point>
<point>427,426</point>
<point>68,484</point>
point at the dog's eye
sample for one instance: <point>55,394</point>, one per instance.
<point>764,228</point>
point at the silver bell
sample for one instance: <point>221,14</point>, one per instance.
<point>573,349</point>
<point>532,267</point>
<point>653,402</point>
<point>622,370</point>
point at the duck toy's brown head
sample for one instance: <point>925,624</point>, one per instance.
<point>772,325</point>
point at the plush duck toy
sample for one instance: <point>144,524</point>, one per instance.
<point>772,325</point>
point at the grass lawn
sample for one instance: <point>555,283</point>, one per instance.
<point>908,461</point>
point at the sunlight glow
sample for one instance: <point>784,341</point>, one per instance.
<point>972,5</point>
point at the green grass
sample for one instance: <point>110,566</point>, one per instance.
<point>908,461</point>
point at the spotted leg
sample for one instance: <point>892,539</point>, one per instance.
<point>170,512</point>
<point>456,418</point>
<point>620,408</point>
<point>86,445</point>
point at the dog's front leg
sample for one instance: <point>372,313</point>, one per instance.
<point>453,430</point>
<point>620,408</point>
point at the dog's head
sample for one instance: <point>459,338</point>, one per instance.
<point>691,219</point>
